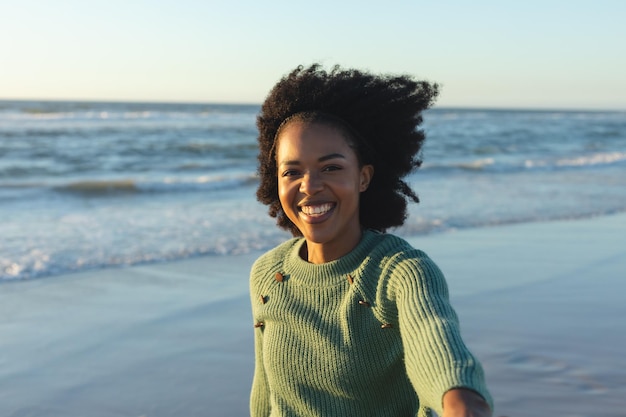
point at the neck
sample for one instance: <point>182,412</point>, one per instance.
<point>319,253</point>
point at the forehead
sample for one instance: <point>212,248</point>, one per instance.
<point>307,137</point>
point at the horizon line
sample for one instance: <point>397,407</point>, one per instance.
<point>492,107</point>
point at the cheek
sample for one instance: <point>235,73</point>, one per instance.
<point>350,187</point>
<point>285,195</point>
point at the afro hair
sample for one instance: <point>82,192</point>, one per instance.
<point>378,114</point>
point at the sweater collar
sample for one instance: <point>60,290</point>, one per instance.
<point>331,273</point>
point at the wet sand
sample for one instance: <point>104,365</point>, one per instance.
<point>541,305</point>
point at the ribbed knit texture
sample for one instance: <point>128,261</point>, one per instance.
<point>370,334</point>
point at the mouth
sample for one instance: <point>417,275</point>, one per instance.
<point>316,212</point>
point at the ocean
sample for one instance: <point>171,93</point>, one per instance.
<point>96,185</point>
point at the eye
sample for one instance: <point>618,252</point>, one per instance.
<point>330,168</point>
<point>290,173</point>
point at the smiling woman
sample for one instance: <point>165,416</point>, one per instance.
<point>350,320</point>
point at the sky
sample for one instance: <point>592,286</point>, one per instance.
<point>514,54</point>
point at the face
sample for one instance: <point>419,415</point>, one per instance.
<point>319,183</point>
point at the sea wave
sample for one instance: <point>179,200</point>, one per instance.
<point>604,158</point>
<point>478,164</point>
<point>166,185</point>
<point>42,110</point>
<point>37,114</point>
<point>96,187</point>
<point>48,260</point>
<point>503,164</point>
<point>470,165</point>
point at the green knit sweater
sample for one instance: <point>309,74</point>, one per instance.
<point>369,334</point>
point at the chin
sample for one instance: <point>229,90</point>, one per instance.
<point>318,236</point>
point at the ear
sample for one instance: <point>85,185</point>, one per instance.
<point>367,172</point>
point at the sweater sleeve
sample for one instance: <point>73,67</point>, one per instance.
<point>436,357</point>
<point>260,393</point>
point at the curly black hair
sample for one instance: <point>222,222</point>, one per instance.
<point>378,114</point>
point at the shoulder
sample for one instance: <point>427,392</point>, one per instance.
<point>403,267</point>
<point>271,261</point>
<point>393,252</point>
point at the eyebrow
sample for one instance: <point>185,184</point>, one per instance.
<point>320,159</point>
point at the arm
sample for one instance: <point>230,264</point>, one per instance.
<point>438,363</point>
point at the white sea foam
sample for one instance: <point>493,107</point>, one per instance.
<point>594,159</point>
<point>605,158</point>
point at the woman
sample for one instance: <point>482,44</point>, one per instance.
<point>349,320</point>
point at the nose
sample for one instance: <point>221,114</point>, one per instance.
<point>310,184</point>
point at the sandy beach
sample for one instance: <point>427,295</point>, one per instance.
<point>541,305</point>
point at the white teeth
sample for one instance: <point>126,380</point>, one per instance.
<point>316,210</point>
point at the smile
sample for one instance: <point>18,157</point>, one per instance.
<point>317,210</point>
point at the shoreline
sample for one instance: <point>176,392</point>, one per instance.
<point>540,305</point>
<point>409,237</point>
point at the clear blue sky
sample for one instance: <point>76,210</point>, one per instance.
<point>566,54</point>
